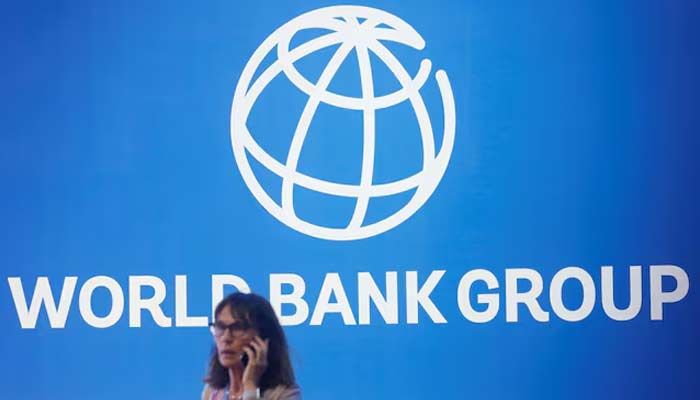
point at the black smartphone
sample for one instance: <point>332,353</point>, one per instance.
<point>244,359</point>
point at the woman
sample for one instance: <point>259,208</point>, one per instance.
<point>250,359</point>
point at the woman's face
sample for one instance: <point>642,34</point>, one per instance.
<point>229,346</point>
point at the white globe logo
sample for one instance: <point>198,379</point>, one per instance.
<point>359,29</point>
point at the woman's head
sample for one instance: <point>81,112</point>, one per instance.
<point>238,318</point>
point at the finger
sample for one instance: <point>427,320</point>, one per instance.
<point>263,343</point>
<point>250,352</point>
<point>263,351</point>
<point>258,349</point>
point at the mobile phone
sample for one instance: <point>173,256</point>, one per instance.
<point>244,359</point>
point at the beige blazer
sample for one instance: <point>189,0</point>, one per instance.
<point>277,393</point>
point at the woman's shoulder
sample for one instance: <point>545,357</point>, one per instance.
<point>283,392</point>
<point>208,392</point>
<point>280,392</point>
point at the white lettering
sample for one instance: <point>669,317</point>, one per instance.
<point>181,317</point>
<point>414,297</point>
<point>85,301</point>
<point>658,296</point>
<point>152,305</point>
<point>608,297</point>
<point>555,294</point>
<point>463,292</point>
<point>529,298</point>
<point>42,295</point>
<point>217,288</point>
<point>367,290</point>
<point>332,285</point>
<point>295,298</point>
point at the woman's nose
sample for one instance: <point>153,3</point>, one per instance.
<point>227,338</point>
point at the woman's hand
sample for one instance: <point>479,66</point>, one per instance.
<point>257,362</point>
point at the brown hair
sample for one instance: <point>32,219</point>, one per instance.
<point>258,313</point>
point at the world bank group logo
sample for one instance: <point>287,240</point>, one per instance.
<point>366,32</point>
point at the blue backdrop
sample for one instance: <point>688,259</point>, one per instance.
<point>576,144</point>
